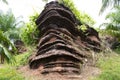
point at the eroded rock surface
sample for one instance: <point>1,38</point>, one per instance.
<point>62,47</point>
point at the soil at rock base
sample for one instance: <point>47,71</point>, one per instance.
<point>86,74</point>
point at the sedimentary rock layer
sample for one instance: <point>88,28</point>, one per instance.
<point>62,47</point>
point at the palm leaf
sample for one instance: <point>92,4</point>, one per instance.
<point>7,54</point>
<point>108,3</point>
<point>5,45</point>
<point>6,41</point>
<point>105,4</point>
<point>10,25</point>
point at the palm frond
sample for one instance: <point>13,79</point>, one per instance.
<point>5,44</point>
<point>7,54</point>
<point>105,4</point>
<point>108,3</point>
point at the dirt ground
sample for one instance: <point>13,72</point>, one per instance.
<point>87,73</point>
<point>1,65</point>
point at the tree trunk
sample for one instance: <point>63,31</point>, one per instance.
<point>2,59</point>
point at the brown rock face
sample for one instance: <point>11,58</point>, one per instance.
<point>62,47</point>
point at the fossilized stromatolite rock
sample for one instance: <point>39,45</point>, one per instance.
<point>62,47</point>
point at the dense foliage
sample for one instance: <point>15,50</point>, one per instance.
<point>10,25</point>
<point>113,26</point>
<point>9,73</point>
<point>9,33</point>
<point>110,66</point>
<point>5,47</point>
<point>28,32</point>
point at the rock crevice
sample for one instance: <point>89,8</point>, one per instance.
<point>62,47</point>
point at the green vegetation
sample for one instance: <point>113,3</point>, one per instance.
<point>117,50</point>
<point>10,25</point>
<point>4,49</point>
<point>11,29</point>
<point>29,33</point>
<point>109,3</point>
<point>23,58</point>
<point>9,33</point>
<point>109,63</point>
<point>9,73</point>
<point>82,17</point>
<point>112,27</point>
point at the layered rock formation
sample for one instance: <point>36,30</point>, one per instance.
<point>62,47</point>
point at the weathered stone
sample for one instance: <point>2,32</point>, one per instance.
<point>62,47</point>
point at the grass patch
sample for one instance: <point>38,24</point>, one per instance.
<point>110,66</point>
<point>22,59</point>
<point>9,73</point>
<point>117,50</point>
